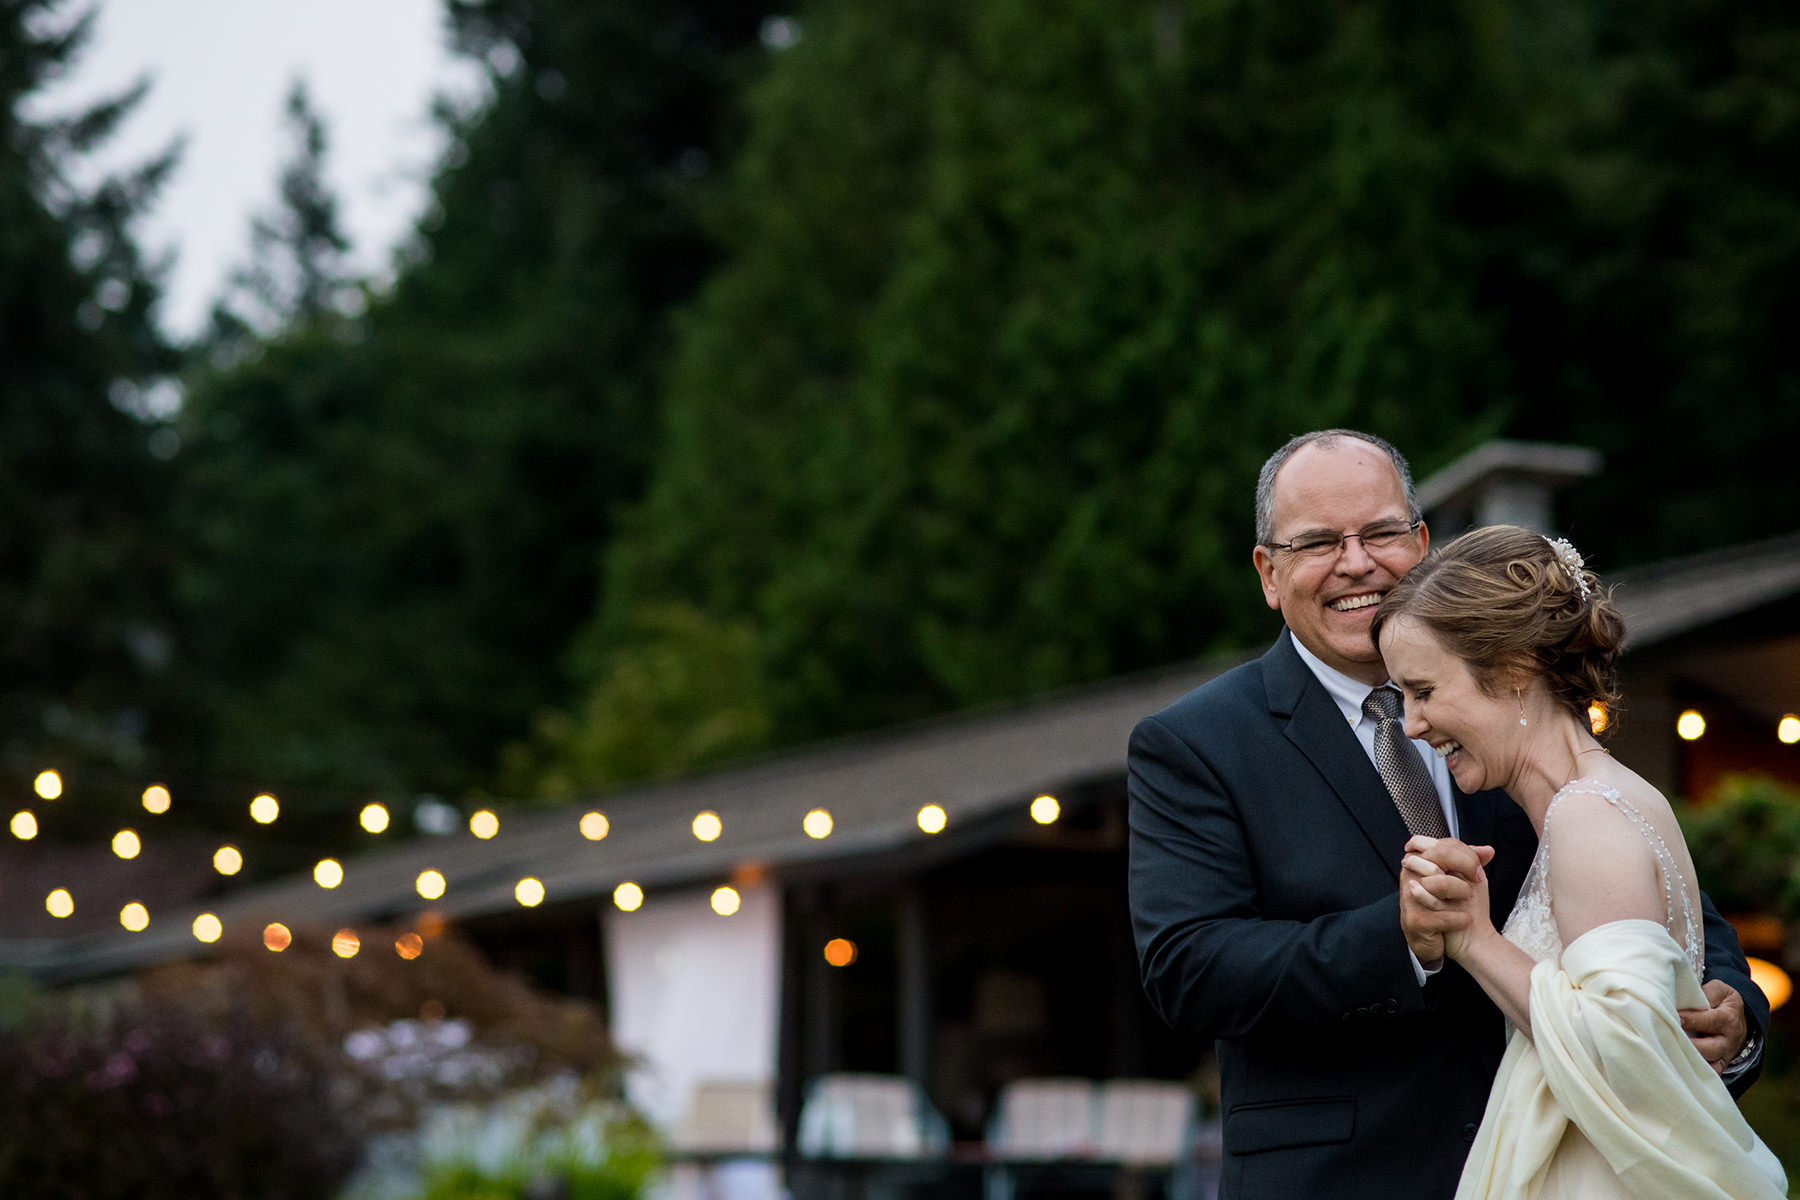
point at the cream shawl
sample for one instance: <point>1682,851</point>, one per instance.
<point>1608,1052</point>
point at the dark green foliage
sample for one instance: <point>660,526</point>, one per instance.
<point>1019,299</point>
<point>1745,841</point>
<point>150,1103</point>
<point>397,517</point>
<point>84,608</point>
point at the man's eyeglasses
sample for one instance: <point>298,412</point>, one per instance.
<point>1322,544</point>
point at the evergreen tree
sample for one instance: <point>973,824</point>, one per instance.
<point>84,621</point>
<point>399,514</point>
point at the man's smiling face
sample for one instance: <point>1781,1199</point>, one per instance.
<point>1327,600</point>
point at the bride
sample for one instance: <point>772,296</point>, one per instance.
<point>1499,644</point>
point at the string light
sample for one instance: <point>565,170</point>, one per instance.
<point>840,952</point>
<point>628,896</point>
<point>59,903</point>
<point>530,892</point>
<point>125,844</point>
<point>48,784</point>
<point>156,798</point>
<point>374,818</point>
<point>1787,730</point>
<point>227,860</point>
<point>725,901</point>
<point>135,917</point>
<point>24,825</point>
<point>594,826</point>
<point>345,943</point>
<point>207,928</point>
<point>817,824</point>
<point>264,809</point>
<point>1690,725</point>
<point>1045,809</point>
<point>276,937</point>
<point>708,827</point>
<point>431,884</point>
<point>484,824</point>
<point>1596,715</point>
<point>932,819</point>
<point>409,946</point>
<point>329,873</point>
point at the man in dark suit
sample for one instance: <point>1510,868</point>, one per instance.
<point>1265,857</point>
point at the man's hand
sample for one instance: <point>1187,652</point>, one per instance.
<point>1439,877</point>
<point>1718,1032</point>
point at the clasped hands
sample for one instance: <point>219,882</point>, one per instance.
<point>1443,897</point>
<point>1444,911</point>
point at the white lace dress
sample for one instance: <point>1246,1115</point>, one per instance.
<point>1608,1098</point>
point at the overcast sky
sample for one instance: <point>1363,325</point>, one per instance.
<point>220,72</point>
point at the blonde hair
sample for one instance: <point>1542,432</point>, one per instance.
<point>1509,604</point>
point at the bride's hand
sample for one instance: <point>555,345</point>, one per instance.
<point>1444,891</point>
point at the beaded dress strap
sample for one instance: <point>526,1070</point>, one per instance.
<point>1681,914</point>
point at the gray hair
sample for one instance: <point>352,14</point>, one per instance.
<point>1325,439</point>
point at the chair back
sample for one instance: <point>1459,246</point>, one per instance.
<point>857,1115</point>
<point>1143,1121</point>
<point>728,1115</point>
<point>1043,1118</point>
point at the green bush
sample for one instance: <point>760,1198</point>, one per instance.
<point>154,1103</point>
<point>1746,846</point>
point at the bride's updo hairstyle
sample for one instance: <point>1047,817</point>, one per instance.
<point>1511,603</point>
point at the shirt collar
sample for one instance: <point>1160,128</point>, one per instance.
<point>1348,693</point>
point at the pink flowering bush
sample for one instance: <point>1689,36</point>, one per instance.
<point>150,1102</point>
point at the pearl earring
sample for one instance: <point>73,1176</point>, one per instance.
<point>1521,697</point>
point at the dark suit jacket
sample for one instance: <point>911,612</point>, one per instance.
<point>1265,855</point>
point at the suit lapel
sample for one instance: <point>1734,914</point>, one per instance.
<point>1316,726</point>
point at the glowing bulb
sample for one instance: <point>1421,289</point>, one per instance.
<point>707,826</point>
<point>328,874</point>
<point>932,819</point>
<point>125,844</point>
<point>1045,809</point>
<point>276,937</point>
<point>345,943</point>
<point>628,896</point>
<point>374,818</point>
<point>1597,718</point>
<point>24,826</point>
<point>725,901</point>
<point>530,892</point>
<point>156,798</point>
<point>59,903</point>
<point>1773,981</point>
<point>594,826</point>
<point>264,809</point>
<point>1690,725</point>
<point>431,884</point>
<point>409,946</point>
<point>227,860</point>
<point>840,952</point>
<point>207,928</point>
<point>484,824</point>
<point>48,784</point>
<point>135,917</point>
<point>1788,730</point>
<point>817,823</point>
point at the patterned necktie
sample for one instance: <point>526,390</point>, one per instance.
<point>1408,782</point>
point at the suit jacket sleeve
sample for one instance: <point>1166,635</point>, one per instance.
<point>1725,962</point>
<point>1216,962</point>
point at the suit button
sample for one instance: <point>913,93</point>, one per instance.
<point>1469,1132</point>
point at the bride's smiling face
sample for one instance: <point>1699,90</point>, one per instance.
<point>1475,733</point>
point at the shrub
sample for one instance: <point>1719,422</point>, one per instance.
<point>150,1101</point>
<point>1746,846</point>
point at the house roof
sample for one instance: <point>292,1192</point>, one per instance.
<point>1664,599</point>
<point>974,766</point>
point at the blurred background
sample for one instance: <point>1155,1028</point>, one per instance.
<point>669,386</point>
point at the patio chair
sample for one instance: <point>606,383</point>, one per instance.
<point>1143,1122</point>
<point>856,1115</point>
